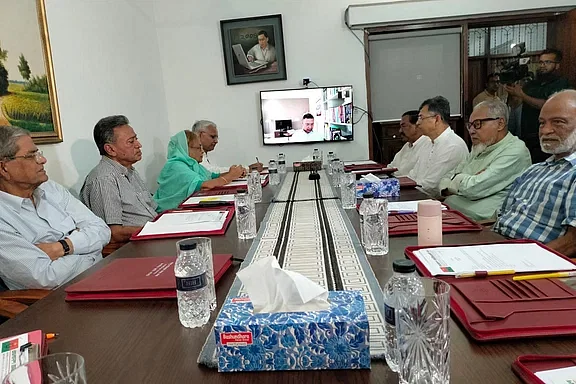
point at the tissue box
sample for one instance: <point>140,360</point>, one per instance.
<point>304,166</point>
<point>384,188</point>
<point>333,339</point>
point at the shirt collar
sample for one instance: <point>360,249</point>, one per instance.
<point>117,167</point>
<point>570,158</point>
<point>16,202</point>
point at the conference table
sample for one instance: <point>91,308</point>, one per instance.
<point>142,341</point>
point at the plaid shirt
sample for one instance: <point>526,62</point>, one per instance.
<point>542,202</point>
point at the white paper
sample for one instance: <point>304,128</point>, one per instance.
<point>12,358</point>
<point>262,178</point>
<point>273,289</point>
<point>407,206</point>
<point>195,200</point>
<point>178,222</point>
<point>558,376</point>
<point>491,257</point>
<point>360,162</point>
<point>371,178</point>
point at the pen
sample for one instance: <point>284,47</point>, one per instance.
<point>463,275</point>
<point>50,336</point>
<point>545,276</point>
<point>257,161</point>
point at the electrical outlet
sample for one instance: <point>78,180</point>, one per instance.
<point>305,81</point>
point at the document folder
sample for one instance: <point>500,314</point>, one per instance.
<point>496,307</point>
<point>406,182</point>
<point>400,224</point>
<point>137,278</point>
<point>526,366</point>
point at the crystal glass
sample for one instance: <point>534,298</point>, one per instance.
<point>245,215</point>
<point>255,186</point>
<point>204,246</point>
<point>58,368</point>
<point>329,158</point>
<point>337,170</point>
<point>348,191</point>
<point>423,332</point>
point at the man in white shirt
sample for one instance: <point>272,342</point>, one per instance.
<point>262,51</point>
<point>307,133</point>
<point>446,151</point>
<point>416,144</point>
<point>208,134</point>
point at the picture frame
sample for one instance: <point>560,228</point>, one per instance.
<point>28,96</point>
<point>253,49</point>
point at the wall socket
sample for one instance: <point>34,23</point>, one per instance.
<point>305,81</point>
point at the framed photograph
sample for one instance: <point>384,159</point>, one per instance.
<point>253,49</point>
<point>27,88</point>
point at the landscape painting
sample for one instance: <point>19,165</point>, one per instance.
<point>27,88</point>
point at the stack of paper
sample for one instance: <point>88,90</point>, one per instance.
<point>406,206</point>
<point>195,200</point>
<point>185,221</point>
<point>360,162</point>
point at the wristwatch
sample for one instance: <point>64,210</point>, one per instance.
<point>65,246</point>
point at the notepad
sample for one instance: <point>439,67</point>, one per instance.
<point>360,162</point>
<point>558,376</point>
<point>195,200</point>
<point>185,221</point>
<point>491,257</point>
<point>406,206</point>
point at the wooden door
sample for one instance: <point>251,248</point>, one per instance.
<point>565,38</point>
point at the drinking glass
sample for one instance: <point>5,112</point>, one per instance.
<point>58,368</point>
<point>423,333</point>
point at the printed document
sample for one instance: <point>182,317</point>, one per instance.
<point>10,356</point>
<point>195,200</point>
<point>558,376</point>
<point>178,222</point>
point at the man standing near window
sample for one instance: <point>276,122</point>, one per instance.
<point>534,94</point>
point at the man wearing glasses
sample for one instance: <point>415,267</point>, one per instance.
<point>534,94</point>
<point>541,205</point>
<point>47,236</point>
<point>446,150</point>
<point>480,183</point>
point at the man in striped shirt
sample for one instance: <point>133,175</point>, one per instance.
<point>113,190</point>
<point>542,202</point>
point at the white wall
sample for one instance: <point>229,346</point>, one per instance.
<point>106,62</point>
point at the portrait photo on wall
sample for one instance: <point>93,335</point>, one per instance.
<point>27,87</point>
<point>253,49</point>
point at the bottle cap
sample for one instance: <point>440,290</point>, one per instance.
<point>238,191</point>
<point>336,159</point>
<point>429,208</point>
<point>187,245</point>
<point>330,152</point>
<point>368,195</point>
<point>403,266</point>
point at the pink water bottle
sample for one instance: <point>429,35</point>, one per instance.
<point>429,223</point>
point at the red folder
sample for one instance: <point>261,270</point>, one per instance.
<point>496,307</point>
<point>525,367</point>
<point>220,231</point>
<point>400,224</point>
<point>406,182</point>
<point>364,169</point>
<point>136,278</point>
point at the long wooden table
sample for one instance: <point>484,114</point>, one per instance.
<point>142,341</point>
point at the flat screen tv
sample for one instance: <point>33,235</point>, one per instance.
<point>308,115</point>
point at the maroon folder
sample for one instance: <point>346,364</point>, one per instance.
<point>220,231</point>
<point>136,278</point>
<point>497,307</point>
<point>526,366</point>
<point>406,182</point>
<point>364,169</point>
<point>400,224</point>
<point>224,190</point>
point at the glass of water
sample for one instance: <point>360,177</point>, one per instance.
<point>255,186</point>
<point>423,334</point>
<point>58,368</point>
<point>348,190</point>
<point>245,215</point>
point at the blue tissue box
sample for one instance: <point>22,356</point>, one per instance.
<point>334,339</point>
<point>385,188</point>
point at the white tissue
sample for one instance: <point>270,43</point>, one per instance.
<point>371,178</point>
<point>307,158</point>
<point>272,289</point>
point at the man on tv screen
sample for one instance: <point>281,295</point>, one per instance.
<point>308,132</point>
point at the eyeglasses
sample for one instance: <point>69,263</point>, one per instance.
<point>547,62</point>
<point>477,124</point>
<point>36,156</point>
<point>420,117</point>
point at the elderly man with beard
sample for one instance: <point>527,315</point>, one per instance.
<point>541,205</point>
<point>480,183</point>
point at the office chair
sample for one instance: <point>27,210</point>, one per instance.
<point>12,302</point>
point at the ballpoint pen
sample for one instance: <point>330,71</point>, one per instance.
<point>545,276</point>
<point>50,336</point>
<point>257,161</point>
<point>463,275</point>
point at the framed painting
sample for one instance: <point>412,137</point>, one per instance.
<point>27,88</point>
<point>253,49</point>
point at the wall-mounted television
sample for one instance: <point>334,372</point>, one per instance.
<point>308,115</point>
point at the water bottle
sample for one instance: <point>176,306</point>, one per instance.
<point>348,191</point>
<point>245,215</point>
<point>329,160</point>
<point>403,284</point>
<point>376,228</point>
<point>316,156</point>
<point>367,202</point>
<point>255,186</point>
<point>274,177</point>
<point>337,169</point>
<point>281,163</point>
<point>191,286</point>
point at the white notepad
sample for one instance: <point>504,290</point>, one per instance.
<point>185,221</point>
<point>558,376</point>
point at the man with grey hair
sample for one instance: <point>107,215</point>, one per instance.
<point>480,183</point>
<point>47,236</point>
<point>114,190</point>
<point>208,133</point>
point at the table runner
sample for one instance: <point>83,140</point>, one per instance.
<point>315,238</point>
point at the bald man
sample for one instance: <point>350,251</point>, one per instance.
<point>541,204</point>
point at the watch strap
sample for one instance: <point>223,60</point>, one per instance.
<point>65,246</point>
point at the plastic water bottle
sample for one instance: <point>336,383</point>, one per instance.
<point>376,228</point>
<point>329,158</point>
<point>348,191</point>
<point>274,177</point>
<point>245,215</point>
<point>255,186</point>
<point>403,284</point>
<point>191,286</point>
<point>281,163</point>
<point>316,156</point>
<point>367,201</point>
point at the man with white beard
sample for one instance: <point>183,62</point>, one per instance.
<point>478,185</point>
<point>542,202</point>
